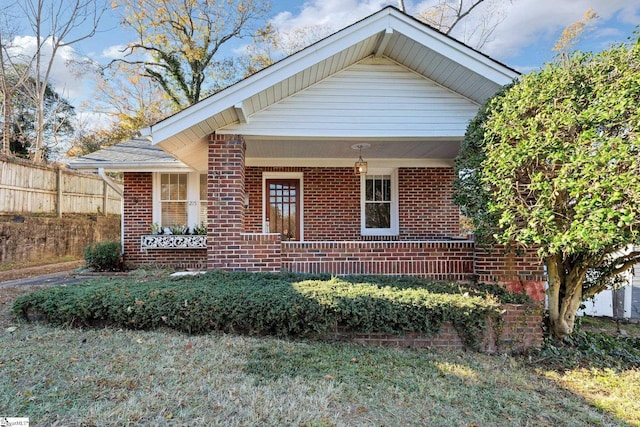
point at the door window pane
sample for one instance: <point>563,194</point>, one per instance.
<point>283,208</point>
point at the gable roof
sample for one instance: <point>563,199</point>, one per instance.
<point>389,34</point>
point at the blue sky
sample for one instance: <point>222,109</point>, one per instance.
<point>523,38</point>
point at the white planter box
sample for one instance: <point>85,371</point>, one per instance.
<point>173,241</point>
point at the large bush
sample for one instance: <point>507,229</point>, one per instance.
<point>267,304</point>
<point>104,256</point>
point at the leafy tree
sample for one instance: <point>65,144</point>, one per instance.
<point>179,42</point>
<point>270,44</point>
<point>58,115</point>
<point>553,162</point>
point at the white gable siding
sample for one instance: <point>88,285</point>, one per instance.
<point>373,98</point>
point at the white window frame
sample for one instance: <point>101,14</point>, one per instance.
<point>282,175</point>
<point>193,199</point>
<point>394,230</point>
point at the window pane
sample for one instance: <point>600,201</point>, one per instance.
<point>181,187</point>
<point>203,212</point>
<point>386,190</point>
<point>174,213</point>
<point>203,199</point>
<point>378,201</point>
<point>378,215</point>
<point>173,186</point>
<point>377,190</point>
<point>369,189</point>
<point>203,186</point>
<point>165,187</point>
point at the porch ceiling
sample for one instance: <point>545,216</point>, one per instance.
<point>308,152</point>
<point>338,152</point>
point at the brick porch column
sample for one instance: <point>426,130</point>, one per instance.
<point>225,211</point>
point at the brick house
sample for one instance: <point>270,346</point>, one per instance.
<point>268,165</point>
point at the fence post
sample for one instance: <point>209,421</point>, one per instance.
<point>59,184</point>
<point>105,198</point>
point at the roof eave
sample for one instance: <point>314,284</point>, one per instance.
<point>130,167</point>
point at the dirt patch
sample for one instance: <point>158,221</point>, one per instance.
<point>610,326</point>
<point>38,270</point>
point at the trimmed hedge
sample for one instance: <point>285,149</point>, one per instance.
<point>268,304</point>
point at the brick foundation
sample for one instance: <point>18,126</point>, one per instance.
<point>519,270</point>
<point>521,329</point>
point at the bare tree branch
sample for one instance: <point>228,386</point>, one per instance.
<point>56,25</point>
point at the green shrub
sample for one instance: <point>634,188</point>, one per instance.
<point>264,304</point>
<point>587,349</point>
<point>104,256</point>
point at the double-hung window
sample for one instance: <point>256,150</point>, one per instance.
<point>179,199</point>
<point>379,203</point>
<point>173,199</point>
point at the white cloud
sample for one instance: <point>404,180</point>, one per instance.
<point>333,14</point>
<point>114,52</point>
<point>530,22</point>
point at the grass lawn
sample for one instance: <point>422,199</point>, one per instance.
<point>68,376</point>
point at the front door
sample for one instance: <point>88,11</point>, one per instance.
<point>283,207</point>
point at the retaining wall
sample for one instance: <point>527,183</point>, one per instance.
<point>28,239</point>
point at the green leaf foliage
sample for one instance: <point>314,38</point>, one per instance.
<point>269,304</point>
<point>470,192</point>
<point>562,153</point>
<point>104,256</point>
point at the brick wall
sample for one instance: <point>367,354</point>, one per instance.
<point>332,203</point>
<point>138,218</point>
<point>426,203</point>
<point>225,191</point>
<point>259,252</point>
<point>521,329</point>
<point>138,213</point>
<point>519,270</point>
<point>331,227</point>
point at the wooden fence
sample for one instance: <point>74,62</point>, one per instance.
<point>41,189</point>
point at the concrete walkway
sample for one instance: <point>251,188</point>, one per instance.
<point>63,273</point>
<point>60,278</point>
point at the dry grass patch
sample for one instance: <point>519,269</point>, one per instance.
<point>612,391</point>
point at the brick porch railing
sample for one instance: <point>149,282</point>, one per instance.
<point>436,260</point>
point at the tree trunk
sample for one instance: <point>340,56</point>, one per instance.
<point>565,294</point>
<point>6,126</point>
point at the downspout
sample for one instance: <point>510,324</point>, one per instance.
<point>120,193</point>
